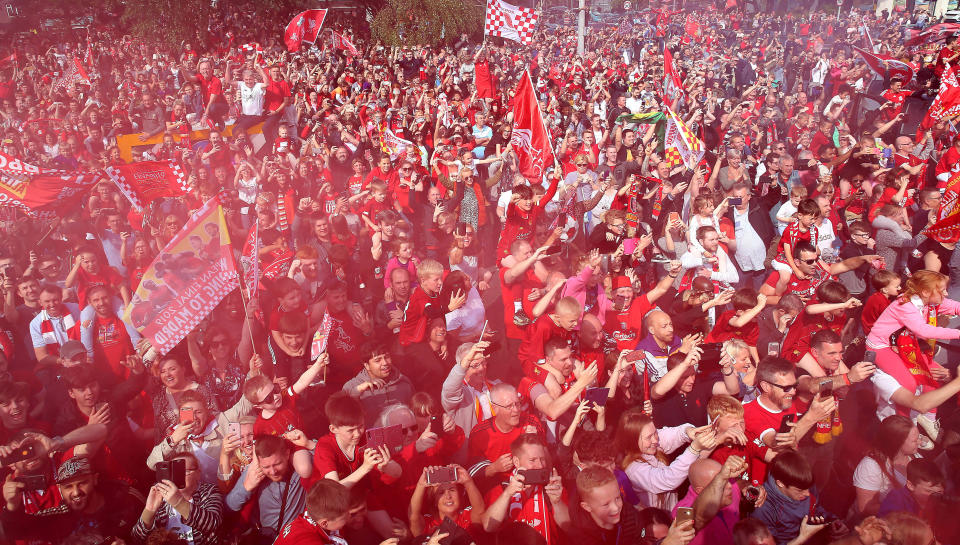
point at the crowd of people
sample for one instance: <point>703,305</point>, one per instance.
<point>752,349</point>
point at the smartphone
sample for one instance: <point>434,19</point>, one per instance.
<point>233,428</point>
<point>773,349</point>
<point>597,395</point>
<point>535,476</point>
<point>734,201</point>
<point>870,356</point>
<point>683,515</point>
<point>629,245</point>
<point>391,436</point>
<point>174,471</point>
<point>440,475</point>
<point>826,387</point>
<point>436,425</point>
<point>673,217</point>
<point>619,301</point>
<point>785,423</point>
<point>25,452</point>
<point>187,415</point>
<point>33,482</point>
<point>554,249</point>
<point>636,355</point>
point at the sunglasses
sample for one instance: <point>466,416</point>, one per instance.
<point>274,393</point>
<point>809,261</point>
<point>785,387</point>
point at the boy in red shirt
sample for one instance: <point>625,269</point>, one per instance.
<point>887,284</point>
<point>741,322</point>
<point>414,325</point>
<point>88,272</point>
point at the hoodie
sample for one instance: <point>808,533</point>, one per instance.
<point>782,515</point>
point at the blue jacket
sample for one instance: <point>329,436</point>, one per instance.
<point>783,515</point>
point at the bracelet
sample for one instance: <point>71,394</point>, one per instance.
<point>728,374</point>
<point>693,450</point>
<point>673,275</point>
<point>846,378</point>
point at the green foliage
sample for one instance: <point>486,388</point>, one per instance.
<point>422,22</point>
<point>168,21</point>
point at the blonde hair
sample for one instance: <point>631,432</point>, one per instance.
<point>428,268</point>
<point>920,282</point>
<point>723,405</point>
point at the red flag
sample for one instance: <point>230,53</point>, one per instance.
<point>342,42</point>
<point>250,261</point>
<point>305,27</point>
<point>671,79</point>
<point>42,192</point>
<point>6,60</point>
<point>945,104</point>
<point>886,66</point>
<point>945,230</point>
<point>692,27</point>
<point>933,33</point>
<point>74,73</point>
<point>530,138</point>
<point>144,182</point>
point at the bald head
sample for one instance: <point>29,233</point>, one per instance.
<point>702,472</point>
<point>660,325</point>
<point>591,331</point>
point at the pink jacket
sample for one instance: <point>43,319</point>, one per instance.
<point>576,287</point>
<point>907,314</point>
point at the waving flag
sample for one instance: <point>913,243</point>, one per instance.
<point>147,181</point>
<point>74,73</point>
<point>933,33</point>
<point>305,27</point>
<point>42,192</point>
<point>671,79</point>
<point>886,66</point>
<point>510,22</point>
<point>342,42</point>
<point>12,58</point>
<point>394,145</point>
<point>945,104</point>
<point>189,277</point>
<point>250,260</point>
<point>530,139</point>
<point>680,144</point>
<point>945,230</point>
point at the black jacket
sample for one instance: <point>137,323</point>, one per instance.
<point>759,217</point>
<point>584,531</point>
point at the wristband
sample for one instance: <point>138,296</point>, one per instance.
<point>728,374</point>
<point>673,275</point>
<point>846,378</point>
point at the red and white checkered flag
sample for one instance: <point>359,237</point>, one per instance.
<point>510,22</point>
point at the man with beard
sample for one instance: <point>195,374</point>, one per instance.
<point>103,330</point>
<point>111,509</point>
<point>379,384</point>
<point>350,328</point>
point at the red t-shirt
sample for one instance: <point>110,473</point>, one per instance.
<point>111,344</point>
<point>805,288</point>
<point>211,87</point>
<point>328,457</point>
<point>538,333</point>
<point>517,291</point>
<point>872,310</point>
<point>751,452</point>
<point>487,442</point>
<point>625,326</point>
<point>414,326</point>
<point>108,276</point>
<point>797,341</point>
<point>723,331</point>
<point>759,420</point>
<point>276,91</point>
<point>285,419</point>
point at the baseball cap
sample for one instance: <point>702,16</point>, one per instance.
<point>72,349</point>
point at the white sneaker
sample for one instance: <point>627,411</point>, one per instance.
<point>925,443</point>
<point>930,427</point>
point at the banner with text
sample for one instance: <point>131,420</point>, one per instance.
<point>186,281</point>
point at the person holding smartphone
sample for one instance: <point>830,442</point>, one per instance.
<point>437,498</point>
<point>194,510</point>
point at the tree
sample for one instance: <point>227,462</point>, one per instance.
<point>426,22</point>
<point>168,21</point>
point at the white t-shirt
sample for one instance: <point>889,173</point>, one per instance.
<point>884,386</point>
<point>470,317</point>
<point>251,98</point>
<point>869,476</point>
<point>786,210</point>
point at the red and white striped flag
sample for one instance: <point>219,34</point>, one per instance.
<point>945,104</point>
<point>305,27</point>
<point>510,22</point>
<point>342,42</point>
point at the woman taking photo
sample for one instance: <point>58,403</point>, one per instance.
<point>170,380</point>
<point>431,503</point>
<point>644,449</point>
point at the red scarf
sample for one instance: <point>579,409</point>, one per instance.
<point>532,510</point>
<point>68,324</point>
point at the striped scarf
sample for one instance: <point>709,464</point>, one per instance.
<point>284,211</point>
<point>67,323</point>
